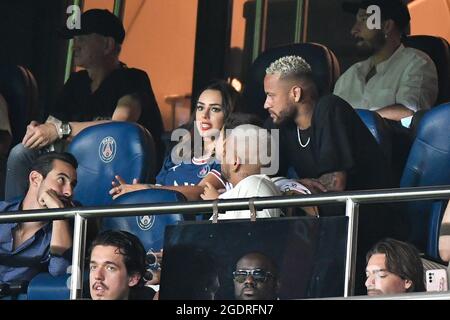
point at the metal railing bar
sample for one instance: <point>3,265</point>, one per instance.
<point>352,212</point>
<point>78,252</point>
<point>352,199</point>
<point>195,207</point>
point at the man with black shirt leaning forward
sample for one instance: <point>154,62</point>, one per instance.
<point>106,90</point>
<point>321,138</point>
<point>327,145</point>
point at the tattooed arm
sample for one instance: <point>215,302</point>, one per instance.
<point>334,181</point>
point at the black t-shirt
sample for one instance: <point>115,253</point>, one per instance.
<point>77,103</point>
<point>340,141</point>
<point>336,141</point>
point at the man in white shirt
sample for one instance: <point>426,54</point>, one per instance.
<point>394,81</point>
<point>242,169</point>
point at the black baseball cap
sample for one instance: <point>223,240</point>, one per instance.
<point>390,9</point>
<point>99,21</point>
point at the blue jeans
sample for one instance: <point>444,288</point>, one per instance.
<point>18,168</point>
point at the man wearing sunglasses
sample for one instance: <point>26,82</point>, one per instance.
<point>255,278</point>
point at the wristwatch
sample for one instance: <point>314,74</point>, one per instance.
<point>65,130</point>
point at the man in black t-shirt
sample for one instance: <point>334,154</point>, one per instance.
<point>321,138</point>
<point>105,90</point>
<point>324,142</point>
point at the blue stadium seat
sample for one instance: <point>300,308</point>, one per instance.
<point>428,165</point>
<point>106,150</point>
<point>149,228</point>
<point>379,129</point>
<point>324,64</point>
<point>47,287</point>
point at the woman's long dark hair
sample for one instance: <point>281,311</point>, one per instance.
<point>231,102</point>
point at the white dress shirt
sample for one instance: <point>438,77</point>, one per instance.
<point>408,78</point>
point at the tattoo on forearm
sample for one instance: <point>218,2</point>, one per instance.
<point>328,180</point>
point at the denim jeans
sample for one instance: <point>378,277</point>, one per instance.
<point>18,168</point>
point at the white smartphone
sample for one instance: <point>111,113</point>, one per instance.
<point>436,280</point>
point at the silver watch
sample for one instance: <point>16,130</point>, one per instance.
<point>65,130</point>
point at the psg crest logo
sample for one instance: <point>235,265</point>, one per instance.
<point>107,149</point>
<point>145,222</point>
<point>203,171</point>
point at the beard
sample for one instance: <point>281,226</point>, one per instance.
<point>366,48</point>
<point>225,172</point>
<point>287,115</point>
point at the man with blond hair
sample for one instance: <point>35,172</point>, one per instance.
<point>324,142</point>
<point>321,138</point>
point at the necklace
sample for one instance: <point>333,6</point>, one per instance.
<point>300,140</point>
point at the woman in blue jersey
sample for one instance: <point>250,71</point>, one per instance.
<point>191,162</point>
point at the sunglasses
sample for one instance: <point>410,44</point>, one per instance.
<point>259,275</point>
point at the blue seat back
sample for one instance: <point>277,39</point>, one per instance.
<point>324,64</point>
<point>149,228</point>
<point>44,286</point>
<point>106,150</point>
<point>428,165</point>
<point>379,129</point>
<point>19,88</point>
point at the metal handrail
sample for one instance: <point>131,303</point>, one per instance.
<point>352,200</point>
<point>195,207</point>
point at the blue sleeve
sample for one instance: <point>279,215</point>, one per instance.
<point>161,177</point>
<point>215,166</point>
<point>58,264</point>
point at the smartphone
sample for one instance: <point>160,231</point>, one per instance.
<point>436,280</point>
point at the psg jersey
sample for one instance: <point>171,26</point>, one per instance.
<point>186,174</point>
